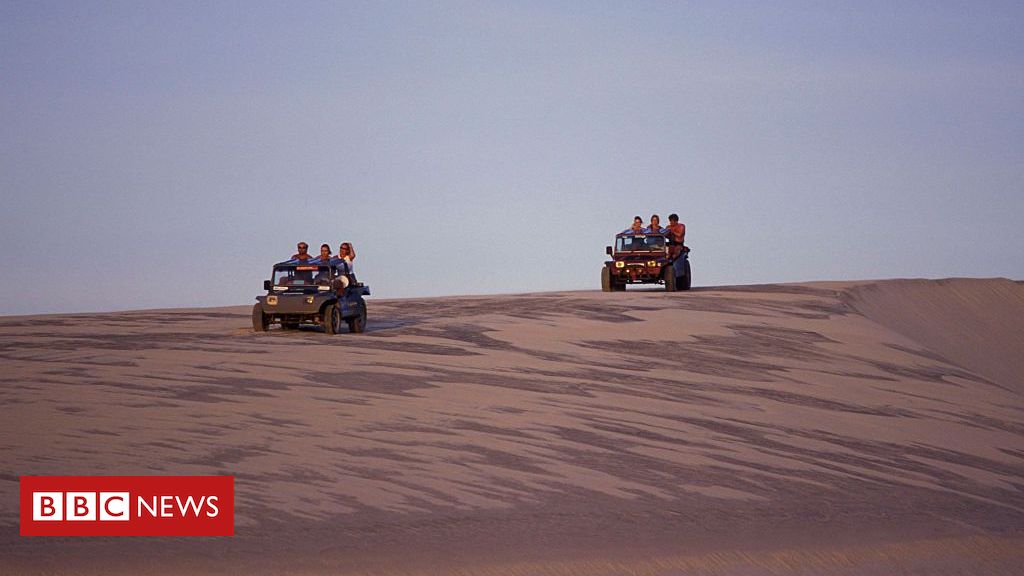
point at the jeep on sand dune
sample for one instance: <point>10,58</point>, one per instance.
<point>645,259</point>
<point>311,292</point>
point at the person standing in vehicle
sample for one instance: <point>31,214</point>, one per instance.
<point>655,227</point>
<point>346,252</point>
<point>676,235</point>
<point>303,254</point>
<point>637,227</point>
<point>325,253</point>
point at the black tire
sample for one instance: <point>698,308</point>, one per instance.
<point>669,276</point>
<point>685,281</point>
<point>260,321</point>
<point>357,324</point>
<point>606,280</point>
<point>332,319</point>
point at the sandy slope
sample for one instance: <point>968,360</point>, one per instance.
<point>975,324</point>
<point>868,428</point>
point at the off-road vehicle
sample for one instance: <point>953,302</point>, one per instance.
<point>639,258</point>
<point>322,293</point>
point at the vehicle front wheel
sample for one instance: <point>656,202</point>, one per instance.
<point>685,281</point>
<point>357,325</point>
<point>606,280</point>
<point>669,276</point>
<point>260,321</point>
<point>332,319</point>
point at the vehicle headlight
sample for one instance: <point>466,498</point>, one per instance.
<point>309,299</point>
<point>272,300</point>
<point>620,264</point>
<point>651,263</point>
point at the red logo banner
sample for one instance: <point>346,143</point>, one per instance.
<point>127,505</point>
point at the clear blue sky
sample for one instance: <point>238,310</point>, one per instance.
<point>164,154</point>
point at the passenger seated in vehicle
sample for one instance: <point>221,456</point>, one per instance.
<point>340,283</point>
<point>343,278</point>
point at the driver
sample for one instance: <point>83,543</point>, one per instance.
<point>324,275</point>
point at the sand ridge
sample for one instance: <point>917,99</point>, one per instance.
<point>530,433</point>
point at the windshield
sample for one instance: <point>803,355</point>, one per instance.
<point>311,275</point>
<point>640,243</point>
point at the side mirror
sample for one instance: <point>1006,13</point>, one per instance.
<point>268,285</point>
<point>608,250</point>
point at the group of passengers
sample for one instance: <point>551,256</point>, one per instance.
<point>345,252</point>
<point>343,260</point>
<point>675,232</point>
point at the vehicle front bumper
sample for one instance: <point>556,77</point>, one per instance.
<point>293,304</point>
<point>637,273</point>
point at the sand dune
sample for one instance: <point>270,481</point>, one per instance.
<point>848,428</point>
<point>975,324</point>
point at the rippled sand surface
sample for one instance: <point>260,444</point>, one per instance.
<point>846,428</point>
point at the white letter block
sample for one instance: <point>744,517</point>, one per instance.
<point>80,506</point>
<point>114,506</point>
<point>47,506</point>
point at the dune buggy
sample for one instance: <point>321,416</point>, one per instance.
<point>645,259</point>
<point>312,292</point>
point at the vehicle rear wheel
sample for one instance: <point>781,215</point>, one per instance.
<point>685,281</point>
<point>357,325</point>
<point>260,321</point>
<point>332,319</point>
<point>606,280</point>
<point>669,276</point>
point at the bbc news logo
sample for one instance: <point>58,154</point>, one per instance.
<point>116,506</point>
<point>127,505</point>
